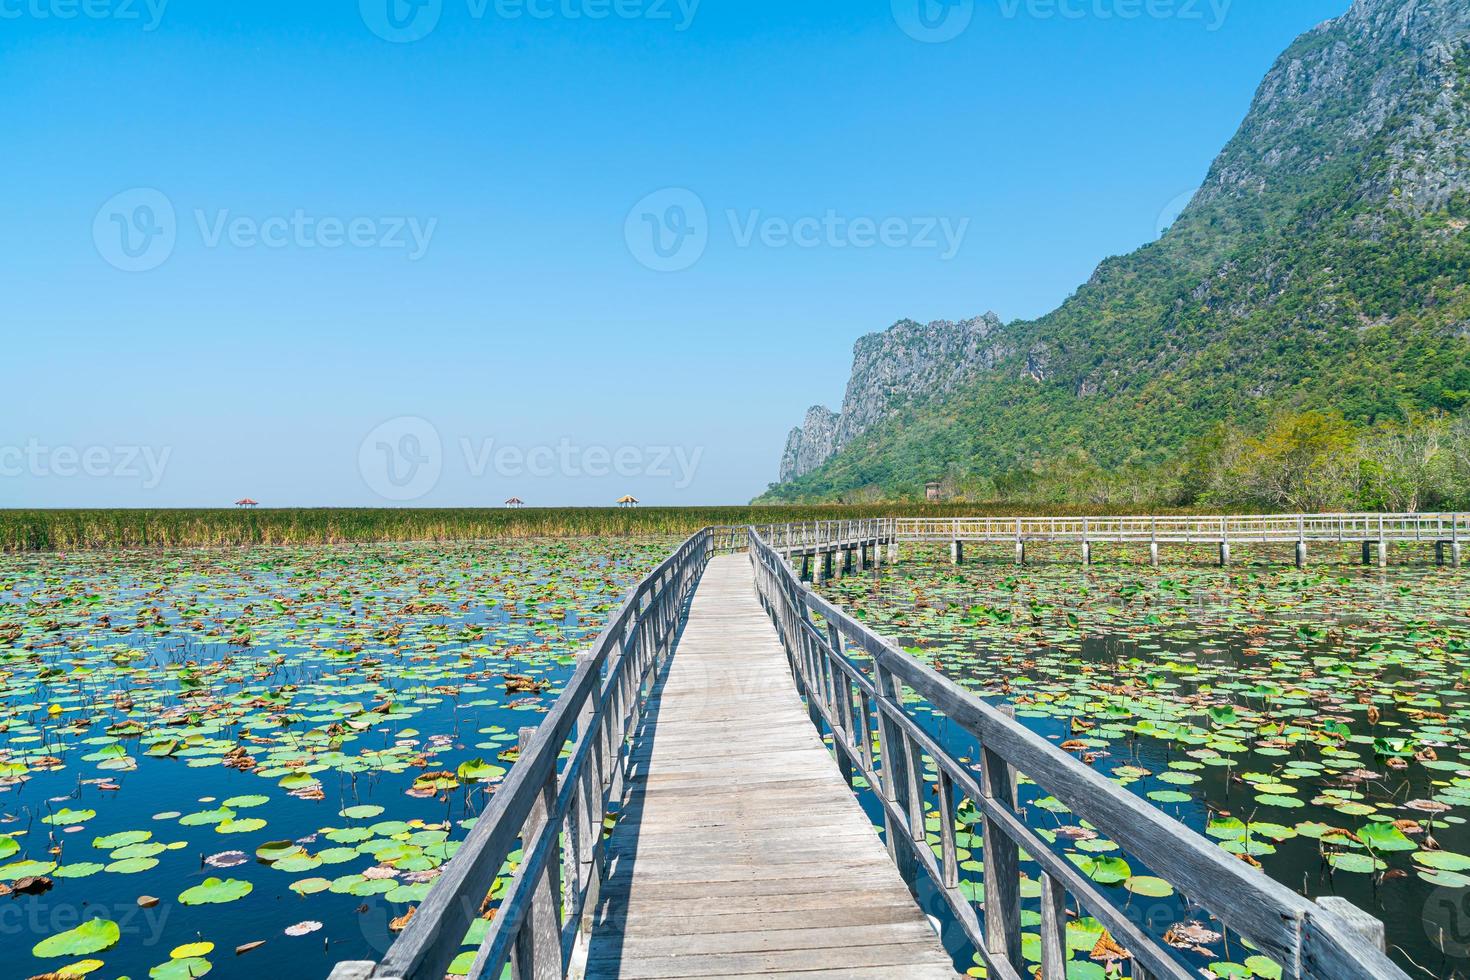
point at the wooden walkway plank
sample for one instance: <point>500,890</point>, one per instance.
<point>741,851</point>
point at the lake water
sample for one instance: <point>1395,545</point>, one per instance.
<point>313,727</point>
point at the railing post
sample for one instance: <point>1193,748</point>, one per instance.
<point>1054,954</point>
<point>1002,863</point>
<point>538,942</point>
<point>584,830</point>
<point>894,777</point>
<point>841,704</point>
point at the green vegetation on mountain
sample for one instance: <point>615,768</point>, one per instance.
<point>1321,273</point>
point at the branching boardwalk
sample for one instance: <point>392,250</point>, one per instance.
<point>741,851</point>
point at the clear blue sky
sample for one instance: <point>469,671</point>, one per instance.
<point>282,316</point>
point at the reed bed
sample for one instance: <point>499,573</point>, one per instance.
<point>73,530</point>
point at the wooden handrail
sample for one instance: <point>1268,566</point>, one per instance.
<point>544,915</point>
<point>1305,938</point>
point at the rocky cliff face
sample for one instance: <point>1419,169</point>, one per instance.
<point>907,362</point>
<point>1387,72</point>
<point>810,445</point>
<point>1324,264</point>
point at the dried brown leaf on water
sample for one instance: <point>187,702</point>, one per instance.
<point>1190,935</point>
<point>1107,949</point>
<point>244,948</point>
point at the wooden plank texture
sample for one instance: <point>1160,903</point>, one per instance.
<point>741,851</point>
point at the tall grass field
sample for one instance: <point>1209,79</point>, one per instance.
<point>72,530</point>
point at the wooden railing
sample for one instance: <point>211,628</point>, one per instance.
<point>1447,532</point>
<point>826,534</point>
<point>856,703</point>
<point>554,816</point>
<point>1207,530</point>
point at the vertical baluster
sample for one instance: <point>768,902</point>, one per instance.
<point>949,853</point>
<point>841,703</point>
<point>894,777</point>
<point>538,942</point>
<point>865,732</point>
<point>914,762</point>
<point>583,821</point>
<point>1002,864</point>
<point>1054,929</point>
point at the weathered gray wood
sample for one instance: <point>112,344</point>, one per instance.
<point>739,825</point>
<point>538,944</point>
<point>353,970</point>
<point>1054,953</point>
<point>1372,530</point>
<point>1002,862</point>
<point>1358,921</point>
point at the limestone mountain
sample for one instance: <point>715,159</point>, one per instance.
<point>1324,264</point>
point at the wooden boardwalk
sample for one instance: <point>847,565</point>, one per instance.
<point>741,852</point>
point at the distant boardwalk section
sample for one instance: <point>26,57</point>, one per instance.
<point>729,714</point>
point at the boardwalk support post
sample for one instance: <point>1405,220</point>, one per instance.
<point>1224,554</point>
<point>957,552</point>
<point>1086,552</point>
<point>1153,553</point>
<point>1301,554</point>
